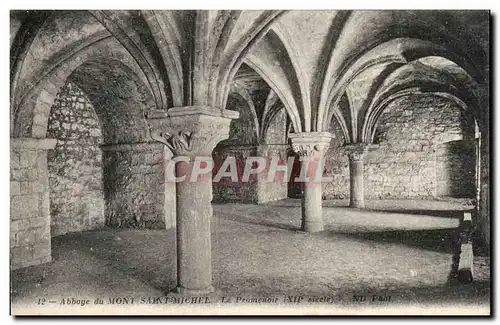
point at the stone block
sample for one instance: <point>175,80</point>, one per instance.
<point>44,211</point>
<point>15,160</point>
<point>28,187</point>
<point>25,237</point>
<point>149,158</point>
<point>38,222</point>
<point>24,174</point>
<point>41,250</point>
<point>20,224</point>
<point>15,188</point>
<point>24,207</point>
<point>42,234</point>
<point>21,256</point>
<point>28,158</point>
<point>38,130</point>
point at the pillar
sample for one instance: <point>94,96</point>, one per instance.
<point>191,132</point>
<point>30,240</point>
<point>311,147</point>
<point>356,153</point>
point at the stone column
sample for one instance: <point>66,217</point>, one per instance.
<point>30,240</point>
<point>356,153</point>
<point>311,147</point>
<point>192,132</point>
<point>169,196</point>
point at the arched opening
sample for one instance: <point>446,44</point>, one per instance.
<point>241,144</point>
<point>132,164</point>
<point>260,131</point>
<point>411,158</point>
<point>99,168</point>
<point>75,163</point>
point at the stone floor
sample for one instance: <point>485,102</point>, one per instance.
<point>401,249</point>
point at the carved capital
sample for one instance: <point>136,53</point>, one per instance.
<point>179,142</point>
<point>310,144</point>
<point>356,151</point>
<point>191,130</point>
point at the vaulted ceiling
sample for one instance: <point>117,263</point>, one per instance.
<point>321,65</point>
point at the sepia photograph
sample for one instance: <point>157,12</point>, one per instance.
<point>250,162</point>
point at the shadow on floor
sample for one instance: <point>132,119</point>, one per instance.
<point>457,214</point>
<point>439,240</point>
<point>151,264</point>
<point>259,222</point>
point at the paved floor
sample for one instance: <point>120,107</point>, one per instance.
<point>397,249</point>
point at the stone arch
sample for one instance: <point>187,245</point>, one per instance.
<point>294,58</point>
<point>243,94</point>
<point>141,46</point>
<point>397,51</point>
<point>120,95</point>
<point>415,77</point>
<point>119,98</point>
<point>339,115</point>
<point>31,114</point>
<point>129,159</point>
<point>244,130</point>
<point>288,102</point>
<point>274,118</point>
<point>231,63</point>
<point>162,25</point>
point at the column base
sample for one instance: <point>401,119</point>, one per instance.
<point>312,226</point>
<point>191,292</point>
<point>357,204</point>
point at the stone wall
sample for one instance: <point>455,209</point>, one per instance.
<point>241,144</point>
<point>402,163</point>
<point>274,144</point>
<point>134,185</point>
<point>75,164</point>
<point>243,131</point>
<point>258,189</point>
<point>226,190</point>
<point>277,189</point>
<point>456,169</point>
<point>29,202</point>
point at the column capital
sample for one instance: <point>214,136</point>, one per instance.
<point>356,151</point>
<point>310,144</point>
<point>191,130</point>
